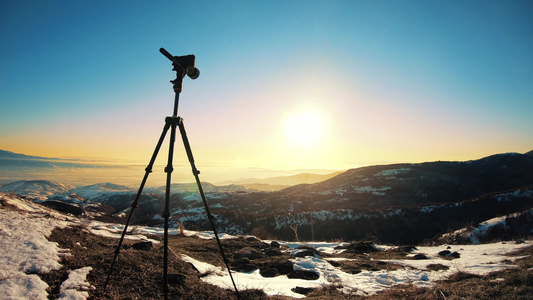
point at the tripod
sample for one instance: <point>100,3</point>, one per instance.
<point>183,65</point>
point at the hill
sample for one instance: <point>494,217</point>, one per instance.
<point>286,181</point>
<point>39,189</point>
<point>399,203</point>
<point>68,257</point>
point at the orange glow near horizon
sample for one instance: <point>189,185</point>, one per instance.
<point>283,86</point>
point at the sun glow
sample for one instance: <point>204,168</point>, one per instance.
<point>304,129</point>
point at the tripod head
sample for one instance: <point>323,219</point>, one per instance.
<point>184,64</point>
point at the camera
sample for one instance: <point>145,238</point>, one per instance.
<point>185,63</point>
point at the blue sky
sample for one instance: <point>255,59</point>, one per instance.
<point>389,81</point>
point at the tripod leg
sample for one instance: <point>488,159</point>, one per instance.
<point>166,212</point>
<point>200,189</point>
<point>134,205</point>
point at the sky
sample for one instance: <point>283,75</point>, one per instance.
<point>284,85</point>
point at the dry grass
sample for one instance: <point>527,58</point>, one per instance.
<point>138,274</point>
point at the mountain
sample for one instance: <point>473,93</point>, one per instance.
<point>416,184</point>
<point>101,190</point>
<point>39,189</point>
<point>403,203</point>
<point>398,203</point>
<point>303,178</point>
<point>10,161</point>
<point>11,155</point>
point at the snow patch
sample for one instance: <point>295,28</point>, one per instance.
<point>378,191</point>
<point>76,285</point>
<point>392,172</point>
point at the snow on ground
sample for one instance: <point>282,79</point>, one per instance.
<point>25,250</point>
<point>140,232</point>
<point>364,283</point>
<point>76,285</point>
<point>474,234</point>
<point>476,259</point>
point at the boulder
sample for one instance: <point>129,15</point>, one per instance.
<point>420,256</point>
<point>306,275</point>
<point>302,253</point>
<point>144,246</point>
<point>302,290</point>
<point>285,267</point>
<point>246,268</point>
<point>268,272</point>
<point>272,252</point>
<point>449,254</point>
<point>241,261</point>
<point>361,248</point>
<point>455,254</point>
<point>248,252</point>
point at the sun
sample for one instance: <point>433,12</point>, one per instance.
<point>304,128</point>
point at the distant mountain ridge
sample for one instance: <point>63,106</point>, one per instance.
<point>17,161</point>
<point>40,189</point>
<point>303,178</point>
<point>12,155</point>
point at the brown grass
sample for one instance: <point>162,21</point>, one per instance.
<point>138,274</point>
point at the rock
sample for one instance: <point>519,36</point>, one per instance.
<point>334,263</point>
<point>275,244</point>
<point>251,238</point>
<point>448,253</point>
<point>302,290</point>
<point>144,246</point>
<point>241,261</point>
<point>315,252</point>
<point>420,256</point>
<point>455,254</point>
<point>436,267</point>
<point>247,268</point>
<point>268,272</point>
<point>272,252</point>
<point>407,249</point>
<point>285,268</point>
<point>361,248</point>
<point>306,275</point>
<point>302,253</point>
<point>353,270</point>
<point>248,252</point>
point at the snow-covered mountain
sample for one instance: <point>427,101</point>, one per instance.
<point>101,191</point>
<point>40,189</point>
